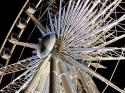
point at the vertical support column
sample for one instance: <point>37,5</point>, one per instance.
<point>53,75</point>
<point>67,83</point>
<point>87,82</point>
<point>34,82</point>
<point>43,79</point>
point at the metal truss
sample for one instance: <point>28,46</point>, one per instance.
<point>84,30</point>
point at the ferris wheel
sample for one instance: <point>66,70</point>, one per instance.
<point>75,39</point>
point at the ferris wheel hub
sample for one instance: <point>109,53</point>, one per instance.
<point>46,44</point>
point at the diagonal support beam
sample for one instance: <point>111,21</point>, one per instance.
<point>37,23</point>
<point>29,45</point>
<point>91,72</point>
<point>19,66</point>
<point>36,79</point>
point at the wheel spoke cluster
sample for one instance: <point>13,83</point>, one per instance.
<point>84,31</point>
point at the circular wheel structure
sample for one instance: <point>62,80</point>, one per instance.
<point>66,46</point>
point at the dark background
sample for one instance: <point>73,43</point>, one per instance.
<point>8,12</point>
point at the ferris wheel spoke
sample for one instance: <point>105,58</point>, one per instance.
<point>94,54</point>
<point>59,18</point>
<point>99,14</point>
<point>93,73</point>
<point>63,21</point>
<point>108,26</point>
<point>112,10</point>
<point>79,41</point>
<point>42,29</point>
<point>95,40</point>
<point>87,82</point>
<point>78,76</point>
<point>73,35</point>
<point>104,10</point>
<point>67,13</point>
<point>72,69</point>
<point>50,19</point>
<point>111,41</point>
<point>89,50</point>
<point>97,65</point>
<point>76,18</point>
<point>22,80</point>
<point>19,83</point>
<point>75,8</point>
<point>74,14</point>
<point>103,29</point>
<point>89,58</point>
<point>95,3</point>
<point>20,66</point>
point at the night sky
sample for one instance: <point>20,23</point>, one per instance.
<point>9,10</point>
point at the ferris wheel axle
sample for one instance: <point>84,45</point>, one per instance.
<point>44,47</point>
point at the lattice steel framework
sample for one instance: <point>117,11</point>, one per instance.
<point>79,32</point>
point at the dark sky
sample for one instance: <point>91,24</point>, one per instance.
<point>8,12</point>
